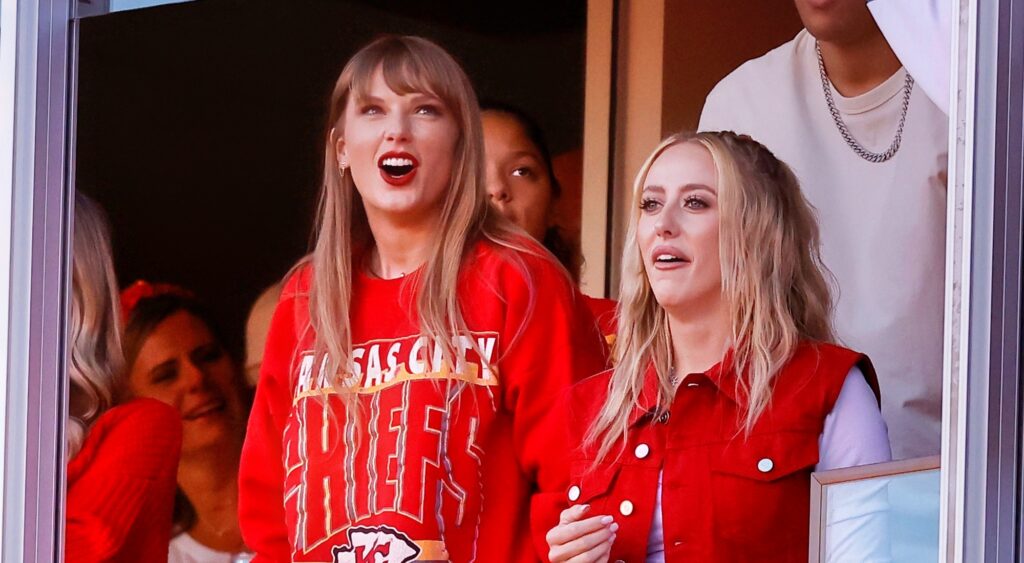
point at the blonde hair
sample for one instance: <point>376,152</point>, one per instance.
<point>95,359</point>
<point>773,282</point>
<point>408,64</point>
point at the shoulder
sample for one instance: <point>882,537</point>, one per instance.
<point>824,367</point>
<point>764,70</point>
<point>518,263</point>
<point>298,281</point>
<point>586,397</point>
<point>150,414</point>
<point>757,75</point>
<point>137,434</point>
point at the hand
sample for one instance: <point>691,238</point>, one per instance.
<point>581,541</point>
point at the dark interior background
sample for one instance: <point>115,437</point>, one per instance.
<point>200,125</point>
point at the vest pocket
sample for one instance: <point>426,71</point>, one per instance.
<point>590,484</point>
<point>761,492</point>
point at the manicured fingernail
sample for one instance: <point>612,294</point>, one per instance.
<point>584,508</point>
<point>614,527</point>
<point>611,539</point>
<point>607,520</point>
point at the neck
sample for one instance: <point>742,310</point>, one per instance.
<point>699,341</point>
<point>858,66</point>
<point>399,248</point>
<point>210,482</point>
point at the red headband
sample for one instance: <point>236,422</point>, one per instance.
<point>142,289</point>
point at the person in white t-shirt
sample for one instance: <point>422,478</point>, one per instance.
<point>870,151</point>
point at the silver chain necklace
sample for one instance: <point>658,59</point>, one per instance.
<point>876,157</point>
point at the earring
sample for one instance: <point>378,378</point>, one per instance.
<point>342,167</point>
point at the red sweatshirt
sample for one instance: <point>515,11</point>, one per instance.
<point>444,459</point>
<point>121,485</point>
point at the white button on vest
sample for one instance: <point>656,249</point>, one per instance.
<point>574,493</point>
<point>626,508</point>
<point>642,451</point>
<point>765,465</point>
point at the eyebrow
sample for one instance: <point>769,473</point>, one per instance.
<point>162,365</point>
<point>685,188</point>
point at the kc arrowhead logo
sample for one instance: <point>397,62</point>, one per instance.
<point>380,544</point>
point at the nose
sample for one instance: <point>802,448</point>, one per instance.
<point>498,190</point>
<point>193,377</point>
<point>397,128</point>
<point>666,225</point>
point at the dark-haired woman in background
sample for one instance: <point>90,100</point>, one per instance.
<point>174,355</point>
<point>523,187</point>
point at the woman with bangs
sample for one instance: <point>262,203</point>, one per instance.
<point>404,406</point>
<point>728,389</point>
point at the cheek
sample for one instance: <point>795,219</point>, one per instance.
<point>166,394</point>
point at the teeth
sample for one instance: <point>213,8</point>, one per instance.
<point>665,258</point>
<point>395,161</point>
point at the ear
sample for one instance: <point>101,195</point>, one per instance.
<point>339,148</point>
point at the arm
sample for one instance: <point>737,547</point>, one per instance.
<point>135,459</point>
<point>261,511</point>
<point>855,434</point>
<point>556,343</point>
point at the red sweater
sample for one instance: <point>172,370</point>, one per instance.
<point>604,311</point>
<point>445,459</point>
<point>121,485</point>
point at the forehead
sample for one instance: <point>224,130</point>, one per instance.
<point>181,331</point>
<point>683,164</point>
<point>503,131</point>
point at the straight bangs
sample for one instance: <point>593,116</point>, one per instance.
<point>406,71</point>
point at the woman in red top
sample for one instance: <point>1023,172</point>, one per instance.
<point>522,186</point>
<point>120,489</point>
<point>403,406</point>
<point>727,391</point>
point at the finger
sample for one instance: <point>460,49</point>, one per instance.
<point>599,554</point>
<point>596,541</point>
<point>564,533</point>
<point>573,513</point>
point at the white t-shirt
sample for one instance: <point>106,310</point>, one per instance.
<point>185,549</point>
<point>883,226</point>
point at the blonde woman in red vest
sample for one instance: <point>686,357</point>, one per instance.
<point>414,357</point>
<point>728,389</point>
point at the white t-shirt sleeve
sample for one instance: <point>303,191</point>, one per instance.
<point>855,433</point>
<point>858,515</point>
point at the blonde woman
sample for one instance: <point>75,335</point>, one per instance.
<point>728,390</point>
<point>120,480</point>
<point>403,405</point>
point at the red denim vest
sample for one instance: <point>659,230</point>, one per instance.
<point>726,496</point>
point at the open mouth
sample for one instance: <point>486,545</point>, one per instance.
<point>397,168</point>
<point>667,257</point>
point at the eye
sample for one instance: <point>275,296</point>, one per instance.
<point>523,172</point>
<point>428,109</point>
<point>649,205</point>
<point>208,354</point>
<point>695,202</point>
<point>164,374</point>
<point>371,109</point>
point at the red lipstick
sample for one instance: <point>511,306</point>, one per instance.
<point>397,168</point>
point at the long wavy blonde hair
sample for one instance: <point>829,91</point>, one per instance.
<point>773,283</point>
<point>95,361</point>
<point>408,64</point>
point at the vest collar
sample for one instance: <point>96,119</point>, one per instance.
<point>721,376</point>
